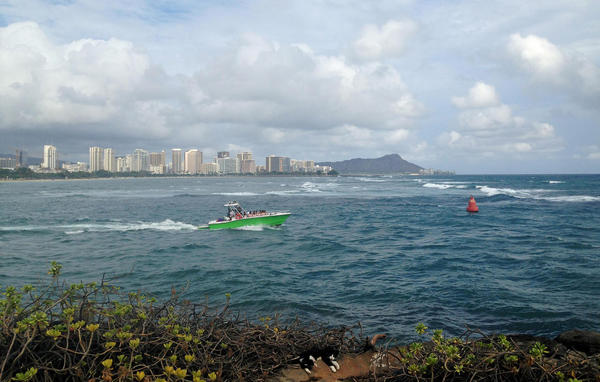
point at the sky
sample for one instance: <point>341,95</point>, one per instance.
<point>472,86</point>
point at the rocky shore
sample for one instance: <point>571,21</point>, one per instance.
<point>572,356</point>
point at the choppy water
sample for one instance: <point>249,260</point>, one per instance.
<point>386,251</point>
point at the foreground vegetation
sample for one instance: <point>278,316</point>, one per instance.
<point>96,332</point>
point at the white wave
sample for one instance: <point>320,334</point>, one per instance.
<point>436,185</point>
<point>282,193</point>
<point>444,185</point>
<point>491,191</point>
<point>235,193</point>
<point>572,198</point>
<point>23,228</point>
<point>76,232</point>
<point>537,194</point>
<point>310,187</point>
<point>376,180</point>
<point>555,181</point>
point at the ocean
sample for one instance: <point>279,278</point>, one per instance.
<point>385,251</point>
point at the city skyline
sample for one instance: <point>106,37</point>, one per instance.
<point>190,162</point>
<point>500,87</point>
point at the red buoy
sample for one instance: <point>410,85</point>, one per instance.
<point>472,207</point>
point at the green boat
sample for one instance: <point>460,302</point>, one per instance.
<point>238,217</point>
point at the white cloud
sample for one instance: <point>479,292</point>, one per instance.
<point>386,41</point>
<point>258,93</point>
<point>537,55</point>
<point>550,64</point>
<point>86,81</point>
<point>488,127</point>
<point>480,95</point>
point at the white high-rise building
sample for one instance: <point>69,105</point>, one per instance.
<point>50,160</point>
<point>228,165</point>
<point>122,165</point>
<point>176,161</point>
<point>193,162</point>
<point>139,161</point>
<point>109,163</point>
<point>96,159</point>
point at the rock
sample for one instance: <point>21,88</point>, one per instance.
<point>582,340</point>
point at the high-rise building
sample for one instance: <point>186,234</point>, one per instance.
<point>208,168</point>
<point>109,164</point>
<point>272,163</point>
<point>122,164</point>
<point>193,162</point>
<point>50,160</point>
<point>223,154</point>
<point>139,160</point>
<point>96,159</point>
<point>176,161</point>
<point>20,158</point>
<point>157,163</point>
<point>246,155</point>
<point>228,165</point>
<point>277,164</point>
<point>247,164</point>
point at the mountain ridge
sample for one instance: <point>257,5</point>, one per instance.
<point>387,164</point>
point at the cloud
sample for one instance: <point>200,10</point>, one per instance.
<point>537,55</point>
<point>488,127</point>
<point>387,41</point>
<point>480,95</point>
<point>257,93</point>
<point>552,65</point>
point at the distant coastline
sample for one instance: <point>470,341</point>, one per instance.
<point>40,177</point>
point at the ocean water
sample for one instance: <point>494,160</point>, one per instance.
<point>387,252</point>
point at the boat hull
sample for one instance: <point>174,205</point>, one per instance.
<point>274,219</point>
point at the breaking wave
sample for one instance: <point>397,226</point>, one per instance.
<point>444,186</point>
<point>375,180</point>
<point>537,194</point>
<point>235,193</point>
<point>310,187</point>
<point>555,181</point>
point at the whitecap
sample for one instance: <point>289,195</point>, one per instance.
<point>235,193</point>
<point>375,180</point>
<point>282,193</point>
<point>76,232</point>
<point>537,194</point>
<point>572,198</point>
<point>439,186</point>
<point>555,181</point>
<point>310,187</point>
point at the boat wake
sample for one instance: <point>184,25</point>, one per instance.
<point>75,229</point>
<point>256,228</point>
